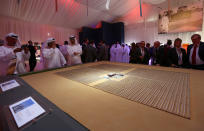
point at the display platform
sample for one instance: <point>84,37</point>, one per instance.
<point>116,96</point>
<point>44,116</point>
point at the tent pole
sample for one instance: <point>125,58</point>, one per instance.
<point>56,5</point>
<point>87,7</point>
<point>140,8</point>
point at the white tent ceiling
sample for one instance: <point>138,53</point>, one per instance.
<point>73,13</point>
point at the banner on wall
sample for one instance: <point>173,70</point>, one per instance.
<point>186,18</point>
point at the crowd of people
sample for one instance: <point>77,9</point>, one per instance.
<point>168,55</point>
<point>13,55</point>
<point>161,55</point>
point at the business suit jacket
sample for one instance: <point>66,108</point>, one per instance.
<point>173,57</point>
<point>132,54</point>
<point>163,55</point>
<point>200,52</point>
<point>101,53</point>
<point>154,54</point>
<point>83,55</point>
<point>90,53</point>
<point>145,60</point>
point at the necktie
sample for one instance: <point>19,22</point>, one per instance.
<point>194,55</point>
<point>155,55</point>
<point>179,57</point>
<point>142,51</point>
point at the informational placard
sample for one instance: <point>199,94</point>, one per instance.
<point>25,110</point>
<point>9,85</point>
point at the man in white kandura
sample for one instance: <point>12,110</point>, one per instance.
<point>11,56</point>
<point>74,52</point>
<point>113,53</point>
<point>52,56</point>
<point>116,53</point>
<point>125,53</point>
<point>23,56</point>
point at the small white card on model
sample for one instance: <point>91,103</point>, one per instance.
<point>9,85</point>
<point>25,110</point>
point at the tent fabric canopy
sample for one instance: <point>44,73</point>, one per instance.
<point>35,19</point>
<point>70,13</point>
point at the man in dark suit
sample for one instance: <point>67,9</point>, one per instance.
<point>195,53</point>
<point>32,60</point>
<point>84,46</point>
<point>163,54</point>
<point>142,54</point>
<point>154,53</point>
<point>91,52</point>
<point>148,46</point>
<point>132,54</point>
<point>101,51</point>
<point>177,55</point>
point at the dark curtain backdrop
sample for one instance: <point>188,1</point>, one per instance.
<point>109,32</point>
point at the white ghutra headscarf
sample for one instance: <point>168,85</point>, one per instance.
<point>49,40</point>
<point>15,36</point>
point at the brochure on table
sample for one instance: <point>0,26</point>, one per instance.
<point>25,110</point>
<point>9,85</point>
